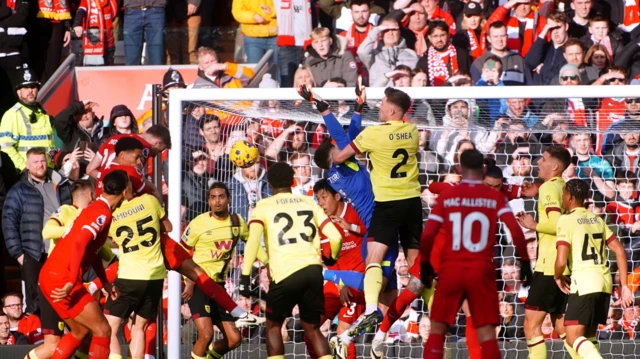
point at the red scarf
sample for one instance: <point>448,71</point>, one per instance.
<point>477,47</point>
<point>420,46</point>
<point>437,67</point>
<point>99,22</point>
<point>513,34</point>
<point>631,13</point>
<point>55,10</point>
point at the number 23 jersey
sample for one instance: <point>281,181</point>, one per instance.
<point>292,226</point>
<point>136,229</point>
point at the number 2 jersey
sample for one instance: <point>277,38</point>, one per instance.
<point>587,236</point>
<point>469,213</point>
<point>292,227</point>
<point>136,229</point>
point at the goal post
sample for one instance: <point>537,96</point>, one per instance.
<point>242,106</point>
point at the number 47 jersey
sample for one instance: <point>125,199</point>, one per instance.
<point>469,213</point>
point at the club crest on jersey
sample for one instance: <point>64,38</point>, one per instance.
<point>235,231</point>
<point>145,152</point>
<point>61,326</point>
<point>207,308</point>
<point>101,219</point>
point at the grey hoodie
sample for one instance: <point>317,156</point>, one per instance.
<point>381,60</point>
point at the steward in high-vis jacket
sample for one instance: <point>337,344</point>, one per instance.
<point>26,124</point>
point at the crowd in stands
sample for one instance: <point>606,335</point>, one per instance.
<point>330,43</point>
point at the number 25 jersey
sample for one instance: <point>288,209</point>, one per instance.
<point>136,229</point>
<point>292,226</point>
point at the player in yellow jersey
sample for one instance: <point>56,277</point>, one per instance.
<point>581,238</point>
<point>397,212</point>
<point>136,228</point>
<point>212,237</point>
<point>544,296</point>
<point>82,194</point>
<point>293,226</point>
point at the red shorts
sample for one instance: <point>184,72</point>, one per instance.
<point>476,283</point>
<point>74,303</point>
<point>174,253</point>
<point>333,305</point>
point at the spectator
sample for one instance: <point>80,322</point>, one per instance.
<point>259,26</point>
<point>623,213</point>
<point>402,271</point>
<point>569,75</point>
<point>325,61</point>
<point>436,13</point>
<point>290,141</point>
<point>598,57</point>
<point>519,170</point>
<point>183,22</point>
<point>510,328</point>
<point>26,124</point>
<point>144,22</point>
<point>545,57</point>
<point>28,205</point>
<point>523,27</point>
<point>514,69</point>
<point>342,12</point>
<point>195,184</point>
<point>214,146</point>
<point>574,54</point>
<point>121,120</point>
<point>358,32</point>
<point>626,155</point>
<point>78,123</point>
<point>491,75</point>
<point>26,324</point>
<point>612,329</point>
<point>382,57</point>
<point>611,109</point>
<point>416,29</point>
<point>399,77</point>
<point>580,20</point>
<point>631,115</point>
<point>532,247</point>
<point>517,141</point>
<point>303,76</point>
<point>472,35</point>
<point>294,28</point>
<point>599,35</point>
<point>11,48</point>
<point>247,187</point>
<point>191,127</point>
<point>517,109</point>
<point>424,327</point>
<point>303,182</point>
<point>629,322</point>
<point>7,337</point>
<point>211,73</point>
<point>514,291</point>
<point>593,167</point>
<point>443,59</point>
<point>46,34</point>
<point>96,31</point>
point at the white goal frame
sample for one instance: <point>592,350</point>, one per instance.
<point>179,96</point>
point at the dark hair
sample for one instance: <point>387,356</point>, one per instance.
<point>398,98</point>
<point>437,24</point>
<point>561,154</point>
<point>323,185</point>
<point>208,118</point>
<point>359,2</point>
<point>12,294</point>
<point>617,68</point>
<point>162,133</point>
<point>456,156</point>
<point>127,144</point>
<point>322,156</point>
<point>115,182</point>
<point>492,58</point>
<point>496,25</point>
<point>389,18</point>
<point>598,18</point>
<point>220,185</point>
<point>81,185</point>
<point>280,175</point>
<point>37,151</point>
<point>472,159</point>
<point>338,80</point>
<point>403,68</point>
<point>558,16</point>
<point>491,169</point>
<point>578,189</point>
<point>626,177</point>
<point>572,41</point>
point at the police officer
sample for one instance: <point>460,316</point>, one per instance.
<point>26,124</point>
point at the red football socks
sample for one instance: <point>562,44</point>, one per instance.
<point>473,346</point>
<point>67,346</point>
<point>216,292</point>
<point>99,348</point>
<point>490,349</point>
<point>150,339</point>
<point>396,309</point>
<point>434,349</point>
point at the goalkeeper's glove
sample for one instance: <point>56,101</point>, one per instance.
<point>329,261</point>
<point>244,288</point>
<point>427,274</point>
<point>526,275</point>
<point>308,95</point>
<point>361,95</point>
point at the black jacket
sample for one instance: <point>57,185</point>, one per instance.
<point>543,52</point>
<point>71,133</point>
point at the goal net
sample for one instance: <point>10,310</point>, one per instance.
<point>512,125</point>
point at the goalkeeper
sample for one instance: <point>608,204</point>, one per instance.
<point>352,180</point>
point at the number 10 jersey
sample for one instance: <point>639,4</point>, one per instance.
<point>136,229</point>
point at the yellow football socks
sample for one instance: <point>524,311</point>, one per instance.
<point>537,348</point>
<point>586,349</point>
<point>372,286</point>
<point>193,356</point>
<point>276,357</point>
<point>115,356</point>
<point>326,357</point>
<point>81,355</point>
<point>568,347</point>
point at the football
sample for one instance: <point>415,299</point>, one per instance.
<point>243,154</point>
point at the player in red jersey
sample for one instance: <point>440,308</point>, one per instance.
<point>155,140</point>
<point>470,216</point>
<point>61,276</point>
<point>347,303</point>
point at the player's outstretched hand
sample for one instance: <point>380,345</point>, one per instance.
<point>427,274</point>
<point>526,275</point>
<point>244,288</point>
<point>59,294</point>
<point>563,283</point>
<point>626,297</point>
<point>361,95</point>
<point>307,94</point>
<point>526,220</point>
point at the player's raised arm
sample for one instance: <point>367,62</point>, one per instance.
<point>626,297</point>
<point>94,165</point>
<point>256,229</point>
<point>53,229</point>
